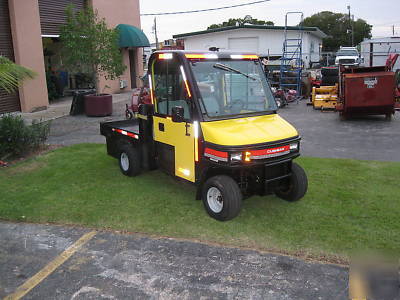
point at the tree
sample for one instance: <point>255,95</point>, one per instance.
<point>11,75</point>
<point>338,28</point>
<point>89,46</point>
<point>240,21</point>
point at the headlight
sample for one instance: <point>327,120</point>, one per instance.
<point>236,156</point>
<point>294,147</point>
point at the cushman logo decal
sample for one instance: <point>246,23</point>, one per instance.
<point>370,82</point>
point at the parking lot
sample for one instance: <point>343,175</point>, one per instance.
<point>323,133</point>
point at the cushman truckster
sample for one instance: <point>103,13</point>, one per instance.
<point>213,122</point>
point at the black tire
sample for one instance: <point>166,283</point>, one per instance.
<point>388,117</point>
<point>297,187</point>
<point>129,160</point>
<point>230,197</point>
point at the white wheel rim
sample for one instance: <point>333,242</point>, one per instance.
<point>124,161</point>
<point>214,199</point>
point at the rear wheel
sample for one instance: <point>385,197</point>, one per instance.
<point>297,187</point>
<point>129,160</point>
<point>222,197</point>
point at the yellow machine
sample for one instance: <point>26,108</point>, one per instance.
<point>213,122</point>
<point>325,97</point>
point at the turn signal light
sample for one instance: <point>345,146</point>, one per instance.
<point>247,156</point>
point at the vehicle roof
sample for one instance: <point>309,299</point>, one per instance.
<point>221,54</point>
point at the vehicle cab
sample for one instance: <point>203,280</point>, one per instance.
<point>215,115</point>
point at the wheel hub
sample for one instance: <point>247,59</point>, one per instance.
<point>124,161</point>
<point>215,200</point>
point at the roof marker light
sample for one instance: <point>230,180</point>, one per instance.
<point>244,56</point>
<point>201,56</point>
<point>165,56</point>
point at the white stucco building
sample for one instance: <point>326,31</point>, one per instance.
<point>260,39</point>
<point>375,51</point>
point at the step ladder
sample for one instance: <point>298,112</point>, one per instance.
<point>291,61</point>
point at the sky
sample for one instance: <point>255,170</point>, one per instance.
<point>381,14</point>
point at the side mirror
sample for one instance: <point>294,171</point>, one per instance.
<point>178,114</point>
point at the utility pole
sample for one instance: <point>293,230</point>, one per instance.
<point>393,29</point>
<point>352,30</point>
<point>155,32</point>
<point>348,7</point>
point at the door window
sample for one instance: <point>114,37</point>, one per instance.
<point>169,87</point>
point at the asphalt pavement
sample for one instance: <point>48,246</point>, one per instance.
<point>325,135</point>
<point>111,265</point>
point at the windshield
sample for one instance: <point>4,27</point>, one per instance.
<point>347,53</point>
<point>231,88</point>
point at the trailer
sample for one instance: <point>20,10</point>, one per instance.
<point>212,122</point>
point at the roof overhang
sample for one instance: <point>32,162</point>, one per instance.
<point>131,36</point>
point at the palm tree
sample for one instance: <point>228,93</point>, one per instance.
<point>11,75</point>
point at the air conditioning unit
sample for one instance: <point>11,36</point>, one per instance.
<point>123,84</point>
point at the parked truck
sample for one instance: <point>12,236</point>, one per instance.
<point>348,56</point>
<point>212,122</point>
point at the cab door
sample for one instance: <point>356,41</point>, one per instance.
<point>174,140</point>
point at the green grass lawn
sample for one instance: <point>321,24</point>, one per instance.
<point>350,205</point>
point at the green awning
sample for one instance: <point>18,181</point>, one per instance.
<point>131,36</point>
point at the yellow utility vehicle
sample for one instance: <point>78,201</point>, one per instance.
<point>212,122</point>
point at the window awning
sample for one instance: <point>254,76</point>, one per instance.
<point>131,36</point>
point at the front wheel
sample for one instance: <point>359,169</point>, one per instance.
<point>222,197</point>
<point>297,187</point>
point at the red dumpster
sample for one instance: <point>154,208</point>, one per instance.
<point>368,91</point>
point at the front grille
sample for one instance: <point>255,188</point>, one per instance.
<point>346,61</point>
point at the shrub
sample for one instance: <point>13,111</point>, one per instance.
<point>17,138</point>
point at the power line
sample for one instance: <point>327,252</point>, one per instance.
<point>201,10</point>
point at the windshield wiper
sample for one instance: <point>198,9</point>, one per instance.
<point>229,69</point>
